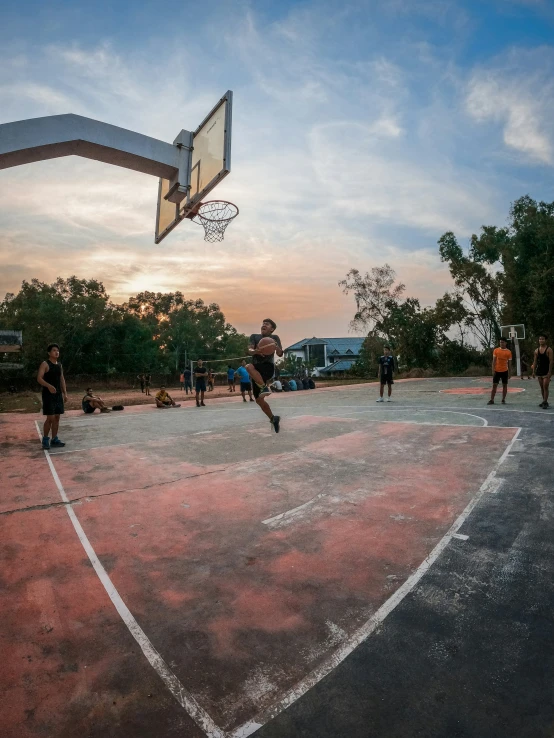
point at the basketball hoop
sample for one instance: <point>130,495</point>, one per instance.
<point>214,216</point>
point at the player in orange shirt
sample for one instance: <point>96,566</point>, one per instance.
<point>501,358</point>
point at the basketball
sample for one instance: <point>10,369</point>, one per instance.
<point>267,346</point>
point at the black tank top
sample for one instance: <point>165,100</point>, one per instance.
<point>53,376</point>
<point>543,363</point>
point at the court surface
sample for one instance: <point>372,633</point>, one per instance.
<point>376,570</point>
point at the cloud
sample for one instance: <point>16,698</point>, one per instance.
<point>517,92</point>
<point>349,150</point>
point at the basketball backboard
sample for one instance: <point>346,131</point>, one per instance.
<point>210,162</point>
<point>512,332</point>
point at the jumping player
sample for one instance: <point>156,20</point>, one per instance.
<point>543,363</point>
<point>386,370</point>
<point>501,358</point>
<point>54,394</point>
<point>262,369</point>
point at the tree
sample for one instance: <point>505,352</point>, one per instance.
<point>375,295</point>
<point>525,252</point>
<point>478,287</point>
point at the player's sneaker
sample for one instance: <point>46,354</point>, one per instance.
<point>57,443</point>
<point>389,399</point>
<point>275,421</point>
<point>545,406</point>
<point>46,443</point>
<point>490,402</point>
<point>264,391</point>
<point>380,400</point>
<point>503,402</point>
<point>542,404</point>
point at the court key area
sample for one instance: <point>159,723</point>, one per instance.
<point>374,570</point>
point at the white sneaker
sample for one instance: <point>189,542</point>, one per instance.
<point>389,399</point>
<point>379,400</point>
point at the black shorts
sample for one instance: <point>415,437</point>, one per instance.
<point>87,408</point>
<point>200,385</point>
<point>52,404</point>
<point>245,386</point>
<point>500,377</point>
<point>188,384</point>
<point>267,370</point>
<point>386,379</point>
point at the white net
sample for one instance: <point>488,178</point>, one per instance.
<point>214,216</point>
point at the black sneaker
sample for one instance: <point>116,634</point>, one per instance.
<point>264,391</point>
<point>503,402</point>
<point>56,443</point>
<point>490,402</point>
<point>202,404</point>
<point>545,406</point>
<point>275,421</point>
<point>252,399</point>
<point>542,404</point>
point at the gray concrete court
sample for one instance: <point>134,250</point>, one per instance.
<point>373,571</point>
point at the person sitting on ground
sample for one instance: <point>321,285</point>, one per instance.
<point>305,383</point>
<point>311,383</point>
<point>92,402</point>
<point>292,384</point>
<point>164,399</point>
<point>299,385</point>
<point>276,386</point>
<point>286,385</point>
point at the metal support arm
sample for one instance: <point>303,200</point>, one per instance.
<point>37,139</point>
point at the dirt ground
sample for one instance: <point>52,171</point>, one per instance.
<point>30,402</point>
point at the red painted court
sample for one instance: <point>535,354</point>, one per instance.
<point>241,565</point>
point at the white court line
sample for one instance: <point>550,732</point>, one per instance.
<point>370,625</point>
<point>183,697</point>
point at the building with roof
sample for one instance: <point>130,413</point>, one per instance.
<point>328,355</point>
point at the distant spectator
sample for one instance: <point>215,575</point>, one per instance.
<point>140,378</point>
<point>311,383</point>
<point>231,378</point>
<point>276,386</point>
<point>299,384</point>
<point>164,399</point>
<point>305,383</point>
<point>188,380</point>
<point>211,380</point>
<point>182,381</point>
<point>92,402</point>
<point>292,385</point>
<point>286,385</point>
<point>245,381</point>
<point>147,381</point>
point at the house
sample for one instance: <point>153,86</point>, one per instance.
<point>328,355</point>
<point>10,343</point>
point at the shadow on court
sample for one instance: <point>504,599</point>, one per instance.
<point>373,570</point>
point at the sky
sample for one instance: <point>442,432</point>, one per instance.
<point>362,131</point>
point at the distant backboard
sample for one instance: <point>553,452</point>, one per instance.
<point>210,163</point>
<point>513,331</point>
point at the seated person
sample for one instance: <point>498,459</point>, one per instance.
<point>163,399</point>
<point>305,383</point>
<point>276,386</point>
<point>292,384</point>
<point>299,384</point>
<point>92,402</point>
<point>311,383</point>
<point>286,385</point>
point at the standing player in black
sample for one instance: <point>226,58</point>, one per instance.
<point>54,393</point>
<point>543,364</point>
<point>262,368</point>
<point>386,369</point>
<point>200,382</point>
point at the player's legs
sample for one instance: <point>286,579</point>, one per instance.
<point>255,375</point>
<point>48,425</point>
<point>504,387</point>
<point>495,381</point>
<point>55,425</point>
<point>390,388</point>
<point>545,389</point>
